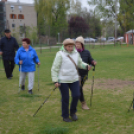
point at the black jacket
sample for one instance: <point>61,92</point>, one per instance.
<point>87,58</point>
<point>8,46</point>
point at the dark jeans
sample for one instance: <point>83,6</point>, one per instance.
<point>75,92</point>
<point>9,66</point>
<point>81,90</point>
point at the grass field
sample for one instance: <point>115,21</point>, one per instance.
<point>113,93</point>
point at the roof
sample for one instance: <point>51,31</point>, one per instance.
<point>130,31</point>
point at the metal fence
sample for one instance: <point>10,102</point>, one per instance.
<point>47,36</point>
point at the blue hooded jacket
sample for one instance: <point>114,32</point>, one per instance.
<point>29,59</point>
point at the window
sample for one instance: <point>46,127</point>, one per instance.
<point>5,19</point>
<point>20,8</point>
<point>20,16</point>
<point>13,25</point>
<point>1,9</point>
<point>22,35</point>
<point>2,5</point>
<point>1,16</point>
<point>22,29</point>
<point>4,9</point>
<point>12,7</point>
<point>13,16</point>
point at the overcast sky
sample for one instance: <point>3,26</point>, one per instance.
<point>84,2</point>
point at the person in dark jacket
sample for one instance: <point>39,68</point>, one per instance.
<point>87,58</point>
<point>8,46</point>
<point>26,57</point>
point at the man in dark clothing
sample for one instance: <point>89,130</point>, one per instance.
<point>8,46</point>
<point>87,58</point>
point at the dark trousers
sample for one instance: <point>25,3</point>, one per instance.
<point>9,66</point>
<point>75,92</point>
<point>81,90</point>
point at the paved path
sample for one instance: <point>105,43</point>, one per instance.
<point>38,48</point>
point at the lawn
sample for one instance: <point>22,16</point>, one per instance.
<point>113,93</point>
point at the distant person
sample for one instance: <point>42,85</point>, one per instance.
<point>87,58</point>
<point>8,46</point>
<point>26,57</point>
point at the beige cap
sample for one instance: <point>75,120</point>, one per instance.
<point>80,39</point>
<point>68,42</point>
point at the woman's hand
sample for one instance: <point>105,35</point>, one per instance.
<point>20,62</point>
<point>89,67</point>
<point>57,84</point>
<point>38,63</point>
<point>1,53</point>
<point>95,63</point>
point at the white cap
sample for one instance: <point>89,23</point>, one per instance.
<point>80,39</point>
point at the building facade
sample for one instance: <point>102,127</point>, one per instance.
<point>17,16</point>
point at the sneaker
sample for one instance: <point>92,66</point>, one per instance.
<point>9,78</point>
<point>74,117</point>
<point>23,87</point>
<point>30,91</point>
<point>67,119</point>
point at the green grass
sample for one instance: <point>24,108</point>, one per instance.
<point>108,114</point>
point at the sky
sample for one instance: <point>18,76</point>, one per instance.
<point>84,2</point>
<point>27,1</point>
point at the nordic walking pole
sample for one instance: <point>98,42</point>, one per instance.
<point>83,81</point>
<point>38,77</point>
<point>19,80</point>
<point>92,87</point>
<point>44,101</point>
<point>0,62</point>
<point>132,104</point>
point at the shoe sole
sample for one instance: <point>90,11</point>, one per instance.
<point>85,109</point>
<point>67,121</point>
<point>73,119</point>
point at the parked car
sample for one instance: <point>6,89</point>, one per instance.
<point>111,39</point>
<point>88,40</point>
<point>96,39</point>
<point>120,39</point>
<point>103,39</point>
<point>73,39</point>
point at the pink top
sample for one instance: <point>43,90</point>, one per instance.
<point>80,50</point>
<point>27,49</point>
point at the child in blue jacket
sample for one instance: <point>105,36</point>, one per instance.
<point>26,57</point>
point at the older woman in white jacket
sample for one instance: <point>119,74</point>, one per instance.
<point>65,76</point>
